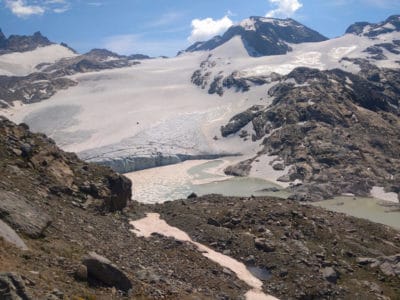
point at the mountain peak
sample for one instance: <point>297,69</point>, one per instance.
<point>22,43</point>
<point>372,30</point>
<point>263,36</point>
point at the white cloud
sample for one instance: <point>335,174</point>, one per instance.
<point>284,8</point>
<point>203,29</point>
<point>23,10</point>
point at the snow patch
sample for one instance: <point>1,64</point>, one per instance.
<point>248,24</point>
<point>153,224</point>
<point>379,193</point>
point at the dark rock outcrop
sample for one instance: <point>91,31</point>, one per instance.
<point>22,43</point>
<point>56,172</point>
<point>371,30</point>
<point>121,192</point>
<point>241,120</point>
<point>32,88</point>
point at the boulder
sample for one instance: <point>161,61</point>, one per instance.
<point>264,245</point>
<point>12,287</point>
<point>390,265</point>
<point>104,271</point>
<point>22,215</point>
<point>9,235</point>
<point>330,274</point>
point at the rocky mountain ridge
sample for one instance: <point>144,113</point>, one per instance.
<point>263,36</point>
<point>52,77</point>
<point>371,30</point>
<point>22,43</point>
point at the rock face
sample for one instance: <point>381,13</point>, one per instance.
<point>101,269</point>
<point>12,287</point>
<point>339,131</point>
<point>22,43</point>
<point>22,216</point>
<point>240,120</point>
<point>391,24</point>
<point>30,89</point>
<point>121,192</point>
<point>34,156</point>
<point>263,36</point>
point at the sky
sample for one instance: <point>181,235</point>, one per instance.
<point>163,27</point>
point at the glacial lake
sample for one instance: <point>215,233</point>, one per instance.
<point>174,182</point>
<point>178,181</point>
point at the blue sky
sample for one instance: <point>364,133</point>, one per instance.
<point>163,27</point>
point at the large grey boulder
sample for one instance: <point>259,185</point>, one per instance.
<point>9,235</point>
<point>103,270</point>
<point>22,215</point>
<point>12,287</point>
<point>390,265</point>
<point>330,274</point>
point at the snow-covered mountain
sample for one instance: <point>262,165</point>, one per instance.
<point>263,36</point>
<point>223,99</point>
<point>390,25</point>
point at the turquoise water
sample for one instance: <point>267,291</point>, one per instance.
<point>179,181</point>
<point>234,186</point>
<point>366,208</point>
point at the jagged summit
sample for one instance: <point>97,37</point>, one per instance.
<point>22,43</point>
<point>263,36</point>
<point>391,24</point>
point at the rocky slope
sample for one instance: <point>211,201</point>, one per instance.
<point>263,36</point>
<point>302,252</point>
<point>338,131</point>
<point>58,209</point>
<point>65,234</point>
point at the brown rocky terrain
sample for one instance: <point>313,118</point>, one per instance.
<point>304,251</point>
<point>66,235</point>
<point>62,209</point>
<point>338,131</point>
